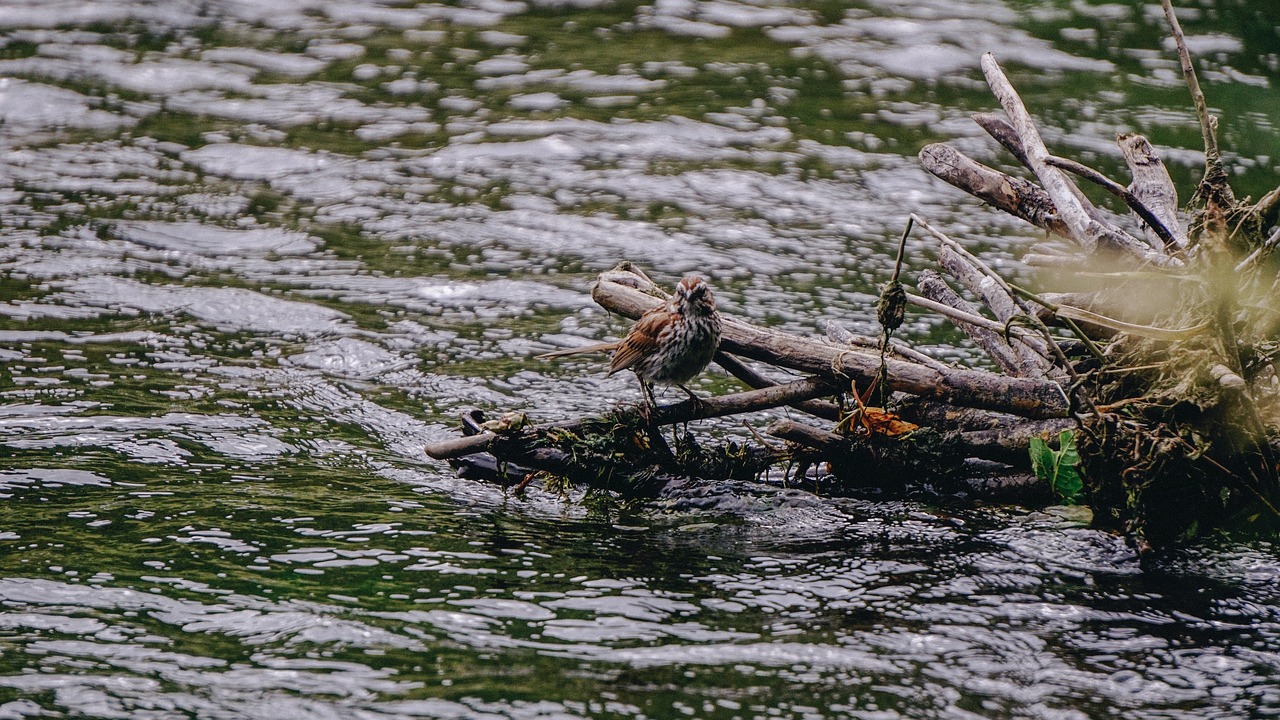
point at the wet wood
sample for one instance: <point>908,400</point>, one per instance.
<point>681,412</point>
<point>807,435</point>
<point>1008,443</point>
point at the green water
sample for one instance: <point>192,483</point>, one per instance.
<point>239,291</point>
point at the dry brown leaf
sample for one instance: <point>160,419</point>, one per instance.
<point>884,423</point>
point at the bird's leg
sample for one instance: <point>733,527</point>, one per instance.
<point>697,401</point>
<point>697,407</point>
<point>650,404</point>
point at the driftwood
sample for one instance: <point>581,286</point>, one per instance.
<point>839,366</point>
<point>1174,403</point>
<point>1018,197</point>
<point>682,412</point>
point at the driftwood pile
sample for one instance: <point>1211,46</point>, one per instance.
<point>1156,355</point>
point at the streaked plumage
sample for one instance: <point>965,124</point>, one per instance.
<point>669,344</point>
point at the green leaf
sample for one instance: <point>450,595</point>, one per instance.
<point>1067,484</point>
<point>1058,467</point>
<point>1041,459</point>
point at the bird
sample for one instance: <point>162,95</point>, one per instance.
<point>670,344</point>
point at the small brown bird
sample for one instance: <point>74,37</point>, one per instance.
<point>671,343</point>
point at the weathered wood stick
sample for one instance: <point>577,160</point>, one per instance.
<point>1020,198</point>
<point>735,367</point>
<point>1000,129</point>
<point>975,388</point>
<point>976,276</point>
<point>1085,230</point>
<point>961,266</point>
<point>991,342</point>
<point>807,435</point>
<point>1030,352</point>
<point>685,411</point>
<point>1152,185</point>
<point>1135,204</point>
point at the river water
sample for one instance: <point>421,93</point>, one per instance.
<point>256,253</point>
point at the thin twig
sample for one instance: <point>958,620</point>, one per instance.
<point>902,247</point>
<point>966,317</point>
<point>1208,124</point>
<point>1080,334</point>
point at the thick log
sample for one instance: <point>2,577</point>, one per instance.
<point>1005,444</point>
<point>1085,230</point>
<point>1020,198</point>
<point>840,335</point>
<point>974,388</point>
<point>951,418</point>
<point>807,435</point>
<point>1008,444</point>
<point>680,412</point>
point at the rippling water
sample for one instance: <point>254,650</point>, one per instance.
<point>257,253</point>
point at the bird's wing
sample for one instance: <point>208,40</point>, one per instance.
<point>641,341</point>
<point>598,347</point>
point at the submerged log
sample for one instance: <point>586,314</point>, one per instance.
<point>686,411</point>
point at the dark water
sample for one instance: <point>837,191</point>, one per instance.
<point>257,253</point>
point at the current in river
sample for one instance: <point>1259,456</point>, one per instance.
<point>256,253</point>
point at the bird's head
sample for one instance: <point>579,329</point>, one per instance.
<point>696,293</point>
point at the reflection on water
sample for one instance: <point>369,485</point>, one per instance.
<point>256,254</point>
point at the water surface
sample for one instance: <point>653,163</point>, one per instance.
<point>257,253</point>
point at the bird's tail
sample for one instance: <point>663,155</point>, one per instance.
<point>598,347</point>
